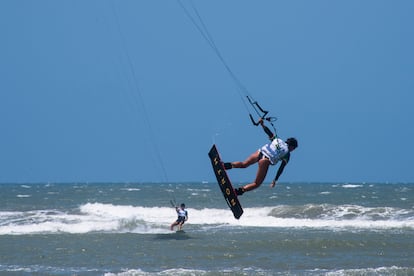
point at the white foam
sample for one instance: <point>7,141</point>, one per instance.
<point>393,270</point>
<point>99,217</point>
<point>258,217</point>
<point>351,186</point>
<point>174,271</point>
<point>131,189</point>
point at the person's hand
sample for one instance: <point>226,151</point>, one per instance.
<point>261,121</point>
<point>273,184</point>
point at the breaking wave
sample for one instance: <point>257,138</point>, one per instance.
<point>99,217</point>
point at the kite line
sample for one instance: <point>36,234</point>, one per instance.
<point>248,101</point>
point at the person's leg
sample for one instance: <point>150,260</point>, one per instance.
<point>253,158</point>
<point>173,224</point>
<point>260,175</point>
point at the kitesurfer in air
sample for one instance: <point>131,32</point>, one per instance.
<point>271,153</point>
<point>182,217</point>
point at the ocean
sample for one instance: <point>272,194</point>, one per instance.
<point>116,229</point>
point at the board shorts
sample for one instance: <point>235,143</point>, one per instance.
<point>264,156</point>
<point>180,220</point>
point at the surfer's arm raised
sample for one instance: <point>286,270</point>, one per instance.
<point>267,130</point>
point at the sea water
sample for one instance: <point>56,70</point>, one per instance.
<point>124,229</point>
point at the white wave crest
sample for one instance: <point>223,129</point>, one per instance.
<point>99,217</point>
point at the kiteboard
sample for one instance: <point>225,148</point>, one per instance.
<point>224,183</point>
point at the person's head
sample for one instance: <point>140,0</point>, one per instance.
<point>292,143</point>
<point>182,205</point>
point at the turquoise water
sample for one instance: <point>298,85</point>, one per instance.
<point>123,229</point>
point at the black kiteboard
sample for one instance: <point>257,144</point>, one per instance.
<point>224,183</point>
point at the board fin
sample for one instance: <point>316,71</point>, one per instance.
<point>224,183</point>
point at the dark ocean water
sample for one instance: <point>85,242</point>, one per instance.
<point>123,229</point>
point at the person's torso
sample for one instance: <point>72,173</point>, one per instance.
<point>276,150</point>
<point>182,213</point>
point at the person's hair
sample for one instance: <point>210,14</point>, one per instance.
<point>183,205</point>
<point>292,142</point>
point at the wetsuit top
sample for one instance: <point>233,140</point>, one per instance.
<point>275,151</point>
<point>182,213</point>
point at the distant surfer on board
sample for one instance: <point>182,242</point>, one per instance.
<point>182,217</point>
<point>271,153</point>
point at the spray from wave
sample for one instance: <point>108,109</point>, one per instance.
<point>109,218</point>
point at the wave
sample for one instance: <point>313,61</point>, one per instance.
<point>393,270</point>
<point>99,217</point>
<point>39,269</point>
<point>343,212</point>
<point>350,186</point>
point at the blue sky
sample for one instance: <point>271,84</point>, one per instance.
<point>130,91</point>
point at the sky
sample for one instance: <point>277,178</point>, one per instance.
<point>130,91</point>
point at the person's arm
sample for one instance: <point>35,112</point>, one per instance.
<point>279,173</point>
<point>267,130</point>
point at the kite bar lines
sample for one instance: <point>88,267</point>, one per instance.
<point>195,18</point>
